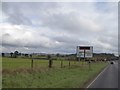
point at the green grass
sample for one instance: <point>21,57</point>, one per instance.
<point>74,77</point>
<point>17,63</point>
<point>13,63</point>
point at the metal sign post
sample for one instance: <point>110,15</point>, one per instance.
<point>84,55</point>
<point>85,52</point>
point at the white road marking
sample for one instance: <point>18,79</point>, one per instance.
<point>96,77</point>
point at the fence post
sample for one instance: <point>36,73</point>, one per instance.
<point>74,60</point>
<point>32,63</point>
<point>50,61</point>
<point>69,62</point>
<point>61,63</point>
<point>89,64</point>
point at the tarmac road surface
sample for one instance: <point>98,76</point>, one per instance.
<point>108,78</point>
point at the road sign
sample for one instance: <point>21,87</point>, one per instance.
<point>85,51</point>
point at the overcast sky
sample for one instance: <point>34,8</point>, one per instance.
<point>58,27</point>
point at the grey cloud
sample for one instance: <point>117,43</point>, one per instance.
<point>110,40</point>
<point>66,39</point>
<point>21,12</point>
<point>9,41</point>
<point>15,15</point>
<point>62,21</point>
<point>70,22</point>
<point>57,29</point>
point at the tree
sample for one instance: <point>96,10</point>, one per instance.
<point>11,54</point>
<point>26,55</point>
<point>30,55</point>
<point>58,55</point>
<point>20,54</point>
<point>16,54</point>
<point>3,54</point>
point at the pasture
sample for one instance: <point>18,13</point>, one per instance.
<point>17,73</point>
<point>20,63</point>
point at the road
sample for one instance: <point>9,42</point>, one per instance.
<point>108,78</point>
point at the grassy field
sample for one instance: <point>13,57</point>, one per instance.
<point>17,63</point>
<point>20,75</point>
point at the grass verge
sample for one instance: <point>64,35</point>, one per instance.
<point>73,77</point>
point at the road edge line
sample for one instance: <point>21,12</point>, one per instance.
<point>97,77</point>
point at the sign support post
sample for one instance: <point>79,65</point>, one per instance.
<point>84,56</point>
<point>85,52</point>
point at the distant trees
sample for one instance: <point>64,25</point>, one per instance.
<point>30,55</point>
<point>58,55</point>
<point>26,55</point>
<point>20,54</point>
<point>3,54</point>
<point>16,54</point>
<point>11,54</point>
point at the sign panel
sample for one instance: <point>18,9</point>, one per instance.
<point>85,51</point>
<point>84,48</point>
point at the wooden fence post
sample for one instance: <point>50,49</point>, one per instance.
<point>61,63</point>
<point>50,61</point>
<point>74,60</point>
<point>89,64</point>
<point>69,62</point>
<point>32,63</point>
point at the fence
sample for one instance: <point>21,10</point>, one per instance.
<point>52,62</point>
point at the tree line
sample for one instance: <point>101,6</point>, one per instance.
<point>15,54</point>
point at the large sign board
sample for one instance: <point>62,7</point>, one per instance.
<point>84,51</point>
